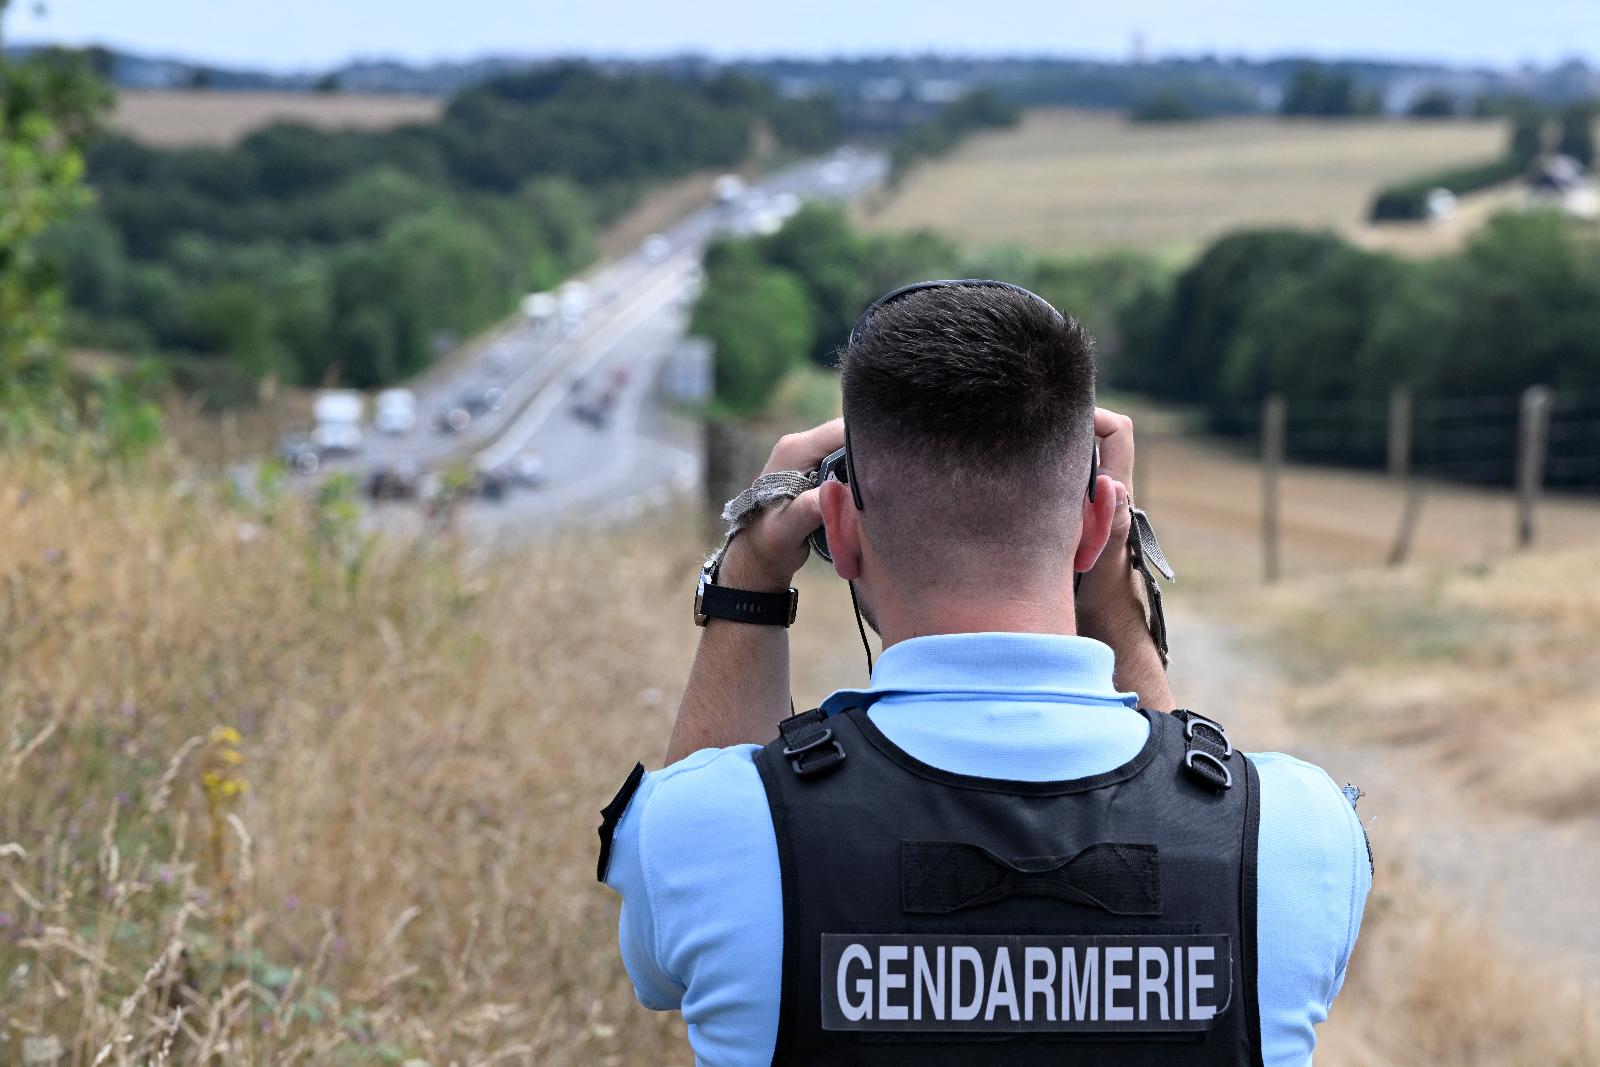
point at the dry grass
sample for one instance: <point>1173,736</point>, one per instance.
<point>1429,989</point>
<point>1488,670</point>
<point>1078,180</point>
<point>656,210</point>
<point>212,117</point>
<point>425,747</point>
<point>393,858</point>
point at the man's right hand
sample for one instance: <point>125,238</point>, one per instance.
<point>765,555</point>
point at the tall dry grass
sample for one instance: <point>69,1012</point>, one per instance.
<point>1489,669</point>
<point>271,795</point>
<point>392,857</point>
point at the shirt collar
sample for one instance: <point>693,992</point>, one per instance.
<point>1043,667</point>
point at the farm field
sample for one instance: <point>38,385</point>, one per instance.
<point>207,117</point>
<point>1068,180</point>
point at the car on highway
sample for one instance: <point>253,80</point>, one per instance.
<point>300,454</point>
<point>450,420</point>
<point>656,248</point>
<point>393,481</point>
<point>527,470</point>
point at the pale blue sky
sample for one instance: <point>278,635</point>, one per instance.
<point>285,34</point>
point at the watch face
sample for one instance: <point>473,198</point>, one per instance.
<point>699,600</point>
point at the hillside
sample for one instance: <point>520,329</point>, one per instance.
<point>335,800</point>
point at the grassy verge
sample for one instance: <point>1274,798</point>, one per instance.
<point>1489,668</point>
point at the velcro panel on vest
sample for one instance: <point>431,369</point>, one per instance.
<point>940,877</point>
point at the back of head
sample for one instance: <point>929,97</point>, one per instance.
<point>971,418</point>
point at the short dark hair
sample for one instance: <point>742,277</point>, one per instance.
<point>983,387</point>
<point>987,376</point>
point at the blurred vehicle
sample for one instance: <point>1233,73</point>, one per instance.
<point>1440,205</point>
<point>728,189</point>
<point>450,420</point>
<point>490,483</point>
<point>574,298</point>
<point>527,470</point>
<point>656,248</point>
<point>835,172</point>
<point>338,421</point>
<point>477,402</point>
<point>300,454</point>
<point>784,205</point>
<point>574,302</point>
<point>395,412</point>
<point>540,310</point>
<point>766,222</point>
<point>596,410</point>
<point>397,481</point>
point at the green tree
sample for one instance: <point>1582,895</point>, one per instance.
<point>49,106</point>
<point>1326,92</point>
<point>758,320</point>
<point>1436,103</point>
<point>1577,133</point>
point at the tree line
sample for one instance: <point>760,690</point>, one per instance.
<point>1305,315</point>
<point>315,255</point>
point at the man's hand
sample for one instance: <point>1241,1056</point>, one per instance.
<point>766,554</point>
<point>739,686</point>
<point>1109,606</point>
<point>1114,433</point>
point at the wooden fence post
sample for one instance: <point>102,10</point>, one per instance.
<point>1400,473</point>
<point>1533,437</point>
<point>1274,414</point>
<point>1399,433</point>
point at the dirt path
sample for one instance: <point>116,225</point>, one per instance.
<point>1531,880</point>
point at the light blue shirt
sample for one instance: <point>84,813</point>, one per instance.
<point>696,859</point>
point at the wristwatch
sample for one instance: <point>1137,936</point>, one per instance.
<point>713,601</point>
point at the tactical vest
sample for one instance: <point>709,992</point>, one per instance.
<point>938,918</point>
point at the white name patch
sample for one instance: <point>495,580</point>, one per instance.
<point>1025,982</point>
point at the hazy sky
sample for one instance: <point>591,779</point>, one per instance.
<point>307,33</point>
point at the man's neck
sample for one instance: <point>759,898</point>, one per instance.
<point>910,617</point>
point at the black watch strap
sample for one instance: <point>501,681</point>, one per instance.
<point>743,605</point>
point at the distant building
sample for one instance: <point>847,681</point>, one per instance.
<point>1562,182</point>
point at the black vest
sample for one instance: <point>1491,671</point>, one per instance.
<point>938,918</point>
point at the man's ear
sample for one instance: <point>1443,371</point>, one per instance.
<point>1098,516</point>
<point>843,523</point>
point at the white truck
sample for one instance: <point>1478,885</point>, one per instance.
<point>395,412</point>
<point>574,302</point>
<point>540,310</point>
<point>338,414</point>
<point>728,189</point>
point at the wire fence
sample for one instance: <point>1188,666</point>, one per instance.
<point>1476,440</point>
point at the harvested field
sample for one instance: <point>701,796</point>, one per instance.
<point>1071,180</point>
<point>172,118</point>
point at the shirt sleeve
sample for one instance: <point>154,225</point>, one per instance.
<point>636,924</point>
<point>695,858</point>
<point>1313,875</point>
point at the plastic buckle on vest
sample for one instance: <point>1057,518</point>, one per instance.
<point>1213,727</point>
<point>1225,782</point>
<point>804,738</point>
<point>825,760</point>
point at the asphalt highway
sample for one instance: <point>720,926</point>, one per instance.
<point>638,456</point>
